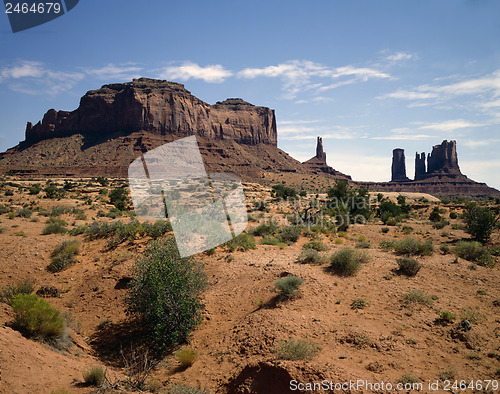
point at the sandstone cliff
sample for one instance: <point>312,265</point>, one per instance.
<point>160,107</point>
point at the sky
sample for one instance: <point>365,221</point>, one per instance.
<point>368,76</point>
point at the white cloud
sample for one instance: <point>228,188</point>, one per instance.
<point>297,76</point>
<point>479,143</point>
<point>211,74</point>
<point>399,56</point>
<point>449,125</point>
<point>487,86</point>
<point>483,171</point>
<point>113,71</point>
<point>32,77</point>
<point>294,122</point>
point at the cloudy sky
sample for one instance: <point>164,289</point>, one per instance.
<point>366,76</point>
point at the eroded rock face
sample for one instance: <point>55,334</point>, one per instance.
<point>443,159</point>
<point>318,165</point>
<point>419,166</point>
<point>398,166</point>
<point>160,107</point>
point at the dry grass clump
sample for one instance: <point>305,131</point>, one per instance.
<point>347,261</point>
<point>296,349</point>
<point>186,357</point>
<point>311,256</point>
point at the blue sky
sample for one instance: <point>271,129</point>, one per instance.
<point>368,76</point>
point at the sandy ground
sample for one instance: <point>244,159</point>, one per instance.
<point>243,323</point>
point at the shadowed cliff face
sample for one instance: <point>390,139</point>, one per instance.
<point>398,168</point>
<point>160,107</point>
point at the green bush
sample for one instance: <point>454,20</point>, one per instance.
<point>35,317</point>
<point>281,191</point>
<point>363,245</point>
<point>267,240</point>
<point>26,286</point>
<point>435,216</point>
<point>296,349</point>
<point>446,316</point>
<point>166,292</point>
<point>348,261</point>
<point>310,256</point>
<point>407,229</point>
<point>54,226</point>
<point>118,197</point>
<point>441,224</point>
<point>316,245</point>
<point>412,246</point>
<point>359,303</point>
<point>186,356</point>
<point>24,212</point>
<point>384,230</point>
<point>445,249</point>
<point>157,229</point>
<point>453,215</point>
<point>417,297</point>
<point>288,287</point>
<point>479,221</point>
<point>94,376</point>
<point>386,245</point>
<point>408,266</point>
<point>181,388</point>
<point>242,242</point>
<point>63,256</point>
<point>289,234</point>
<point>264,229</point>
<point>474,251</point>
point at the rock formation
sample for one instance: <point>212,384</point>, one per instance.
<point>160,107</point>
<point>318,165</point>
<point>398,166</point>
<point>419,166</point>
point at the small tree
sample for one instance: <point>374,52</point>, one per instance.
<point>166,292</point>
<point>479,222</point>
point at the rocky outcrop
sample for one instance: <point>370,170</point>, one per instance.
<point>318,165</point>
<point>398,169</point>
<point>160,107</point>
<point>443,160</point>
<point>419,166</point>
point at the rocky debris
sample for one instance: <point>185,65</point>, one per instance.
<point>318,165</point>
<point>161,107</point>
<point>398,166</point>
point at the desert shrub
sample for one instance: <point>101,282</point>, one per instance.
<point>186,357</point>
<point>472,316</point>
<point>474,251</point>
<point>316,245</point>
<point>54,226</point>
<point>384,230</point>
<point>264,229</point>
<point>479,221</point>
<point>35,189</point>
<point>26,286</point>
<point>63,256</point>
<point>24,212</point>
<point>35,317</point>
<point>446,316</point>
<point>441,224</point>
<point>21,233</point>
<point>386,245</point>
<point>453,215</point>
<point>435,216</point>
<point>288,287</point>
<point>181,388</point>
<point>363,245</point>
<point>58,210</point>
<point>445,249</point>
<point>347,261</point>
<point>359,303</point>
<point>268,240</point>
<point>408,379</point>
<point>289,234</point>
<point>9,193</point>
<point>310,256</point>
<point>412,246</point>
<point>94,376</point>
<point>118,197</point>
<point>407,229</point>
<point>296,349</point>
<point>417,297</point>
<point>166,292</point>
<point>495,251</point>
<point>242,242</point>
<point>284,192</point>
<point>157,229</point>
<point>408,266</point>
